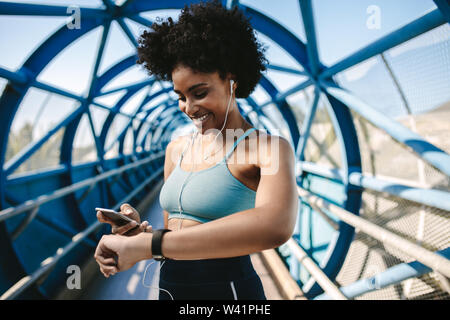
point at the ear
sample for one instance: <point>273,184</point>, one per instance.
<point>231,76</point>
<point>234,84</point>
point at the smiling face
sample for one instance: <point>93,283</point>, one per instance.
<point>203,97</point>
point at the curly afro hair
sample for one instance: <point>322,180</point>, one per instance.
<point>207,38</point>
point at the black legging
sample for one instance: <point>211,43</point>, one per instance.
<point>210,279</point>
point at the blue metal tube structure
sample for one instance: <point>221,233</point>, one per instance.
<point>13,211</point>
<point>28,9</point>
<point>306,126</point>
<point>281,96</point>
<point>325,283</point>
<point>128,87</point>
<point>413,29</point>
<point>310,30</point>
<point>17,77</point>
<point>430,153</point>
<point>425,256</point>
<point>72,189</point>
<point>47,264</point>
<point>286,69</point>
<point>389,277</point>
<point>444,7</point>
<point>430,197</point>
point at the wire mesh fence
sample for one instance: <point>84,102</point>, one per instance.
<point>411,84</point>
<point>367,257</point>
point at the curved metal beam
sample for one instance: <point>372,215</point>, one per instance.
<point>263,24</point>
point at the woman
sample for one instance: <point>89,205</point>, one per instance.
<point>218,211</point>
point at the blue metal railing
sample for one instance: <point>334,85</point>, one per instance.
<point>34,204</point>
<point>389,277</point>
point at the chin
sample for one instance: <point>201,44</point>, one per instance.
<point>208,128</point>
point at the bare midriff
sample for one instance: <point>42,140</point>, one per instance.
<point>174,223</point>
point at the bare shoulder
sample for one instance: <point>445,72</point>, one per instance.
<point>273,150</point>
<point>271,143</point>
<point>173,152</point>
<point>177,143</point>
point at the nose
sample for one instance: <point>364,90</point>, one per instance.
<point>189,108</point>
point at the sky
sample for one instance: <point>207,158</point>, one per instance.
<point>340,24</point>
<point>341,27</point>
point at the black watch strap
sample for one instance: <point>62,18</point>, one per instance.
<point>156,244</point>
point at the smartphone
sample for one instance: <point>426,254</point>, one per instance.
<point>118,218</point>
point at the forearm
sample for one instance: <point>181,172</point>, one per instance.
<point>238,234</point>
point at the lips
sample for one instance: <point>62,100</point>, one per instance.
<point>198,121</point>
<point>199,116</point>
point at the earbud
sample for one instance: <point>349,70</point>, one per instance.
<point>231,86</point>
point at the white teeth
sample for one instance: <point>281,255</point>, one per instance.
<point>202,118</point>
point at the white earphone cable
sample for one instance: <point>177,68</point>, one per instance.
<point>192,144</point>
<point>225,121</point>
<point>181,191</point>
<point>153,287</point>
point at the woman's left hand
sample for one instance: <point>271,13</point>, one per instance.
<point>115,253</point>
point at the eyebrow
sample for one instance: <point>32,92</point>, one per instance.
<point>192,87</point>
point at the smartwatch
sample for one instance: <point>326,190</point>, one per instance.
<point>156,244</point>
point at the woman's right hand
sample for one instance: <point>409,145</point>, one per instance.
<point>130,212</point>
